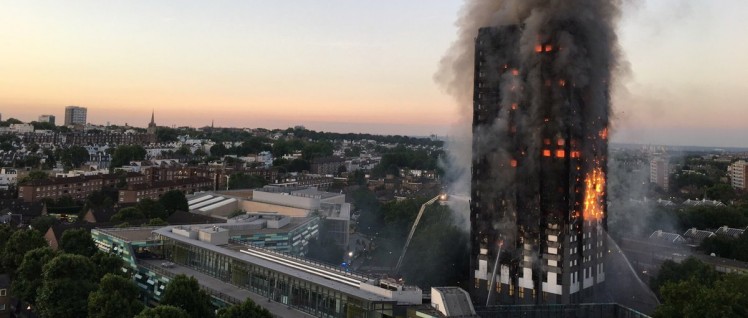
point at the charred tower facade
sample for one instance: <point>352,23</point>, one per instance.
<point>538,211</point>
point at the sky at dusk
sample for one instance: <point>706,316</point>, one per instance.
<point>340,65</point>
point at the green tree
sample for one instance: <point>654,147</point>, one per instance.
<point>6,230</point>
<point>720,192</point>
<point>105,263</point>
<point>218,150</point>
<point>247,309</point>
<point>183,151</point>
<point>128,214</point>
<point>78,241</point>
<point>166,134</point>
<point>124,154</point>
<point>317,150</point>
<point>299,165</point>
<point>690,268</point>
<point>68,280</point>
<point>43,223</point>
<point>78,155</point>
<point>116,296</point>
<point>727,297</point>
<point>152,209</point>
<point>44,125</point>
<point>27,280</point>
<point>103,198</point>
<point>173,201</point>
<point>244,181</point>
<point>163,311</point>
<point>33,176</point>
<point>185,292</point>
<point>19,243</point>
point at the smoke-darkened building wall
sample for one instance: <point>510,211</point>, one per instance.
<point>538,212</point>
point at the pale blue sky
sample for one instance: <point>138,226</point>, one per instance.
<point>342,65</point>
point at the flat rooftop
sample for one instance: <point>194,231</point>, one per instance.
<point>294,267</point>
<point>132,234</point>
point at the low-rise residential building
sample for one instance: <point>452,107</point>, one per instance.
<point>8,178</point>
<point>135,192</point>
<point>78,187</point>
<point>327,165</point>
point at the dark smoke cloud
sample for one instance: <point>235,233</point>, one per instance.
<point>591,56</point>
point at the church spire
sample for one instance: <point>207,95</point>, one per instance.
<point>153,117</point>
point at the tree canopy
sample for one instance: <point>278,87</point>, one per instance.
<point>18,244</point>
<point>247,309</point>
<point>694,289</point>
<point>116,297</point>
<point>185,293</point>
<point>124,154</point>
<point>78,241</point>
<point>163,311</point>
<point>28,280</point>
<point>68,279</point>
<point>173,201</point>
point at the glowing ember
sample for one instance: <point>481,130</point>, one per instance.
<point>594,188</point>
<point>604,133</point>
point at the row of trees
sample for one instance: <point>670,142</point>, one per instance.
<point>695,289</point>
<point>727,247</point>
<point>80,281</point>
<point>402,157</point>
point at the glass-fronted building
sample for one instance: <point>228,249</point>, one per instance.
<point>232,271</point>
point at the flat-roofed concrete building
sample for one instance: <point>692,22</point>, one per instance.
<point>287,286</point>
<point>334,212</point>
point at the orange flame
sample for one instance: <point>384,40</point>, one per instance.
<point>604,133</point>
<point>594,188</point>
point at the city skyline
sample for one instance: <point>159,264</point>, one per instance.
<point>363,67</point>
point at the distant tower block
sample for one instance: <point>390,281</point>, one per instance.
<point>75,115</point>
<point>538,212</point>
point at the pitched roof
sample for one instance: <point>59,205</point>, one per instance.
<point>729,232</point>
<point>661,235</point>
<point>59,228</point>
<point>697,235</point>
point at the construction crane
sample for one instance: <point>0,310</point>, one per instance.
<point>440,197</point>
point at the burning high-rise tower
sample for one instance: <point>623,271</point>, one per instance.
<point>540,128</point>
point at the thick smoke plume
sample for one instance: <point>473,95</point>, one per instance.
<point>590,57</point>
